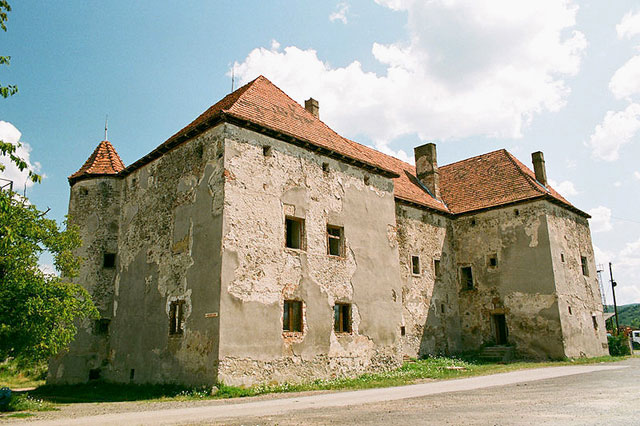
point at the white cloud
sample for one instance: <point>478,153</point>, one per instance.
<point>617,129</point>
<point>600,219</point>
<point>340,14</point>
<point>636,175</point>
<point>629,26</point>
<point>468,68</point>
<point>617,184</point>
<point>626,80</point>
<point>9,133</point>
<point>571,164</point>
<point>566,187</point>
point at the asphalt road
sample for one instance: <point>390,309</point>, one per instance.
<point>577,395</point>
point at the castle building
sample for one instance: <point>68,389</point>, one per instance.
<point>258,245</point>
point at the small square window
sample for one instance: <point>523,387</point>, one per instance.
<point>101,327</point>
<point>292,316</point>
<point>493,261</point>
<point>466,278</point>
<point>109,260</point>
<point>176,315</point>
<point>585,267</point>
<point>294,231</point>
<point>516,212</point>
<point>325,167</point>
<point>342,318</point>
<point>436,267</point>
<point>335,240</point>
<point>267,150</point>
<point>473,222</point>
<point>415,265</point>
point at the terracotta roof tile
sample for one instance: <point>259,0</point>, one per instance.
<point>103,161</point>
<point>486,181</point>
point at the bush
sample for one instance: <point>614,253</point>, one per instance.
<point>619,345</point>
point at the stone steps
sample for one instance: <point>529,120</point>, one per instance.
<point>497,353</point>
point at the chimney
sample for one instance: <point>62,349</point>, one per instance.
<point>313,107</point>
<point>538,167</point>
<point>427,168</point>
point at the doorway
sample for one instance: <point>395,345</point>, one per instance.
<point>500,328</point>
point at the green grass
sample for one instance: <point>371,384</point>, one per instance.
<point>15,376</point>
<point>434,368</point>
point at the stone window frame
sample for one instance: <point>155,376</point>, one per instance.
<point>289,305</point>
<point>340,238</point>
<point>412,265</point>
<point>492,257</point>
<point>301,222</point>
<point>465,285</point>
<point>176,317</point>
<point>437,271</point>
<point>339,310</point>
<point>584,265</point>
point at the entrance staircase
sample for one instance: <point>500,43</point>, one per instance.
<point>499,353</point>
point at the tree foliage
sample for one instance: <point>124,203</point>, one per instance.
<point>38,311</point>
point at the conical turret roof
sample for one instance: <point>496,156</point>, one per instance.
<point>104,161</point>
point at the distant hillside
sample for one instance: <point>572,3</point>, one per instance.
<point>628,315</point>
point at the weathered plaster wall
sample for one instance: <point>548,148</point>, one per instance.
<point>521,286</point>
<point>168,249</point>
<point>258,272</point>
<point>93,207</point>
<point>579,295</point>
<point>430,303</point>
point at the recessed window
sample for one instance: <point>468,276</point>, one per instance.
<point>595,322</point>
<point>176,315</point>
<point>442,308</point>
<point>342,318</point>
<point>335,240</point>
<point>570,313</point>
<point>109,260</point>
<point>436,267</point>
<point>294,233</point>
<point>367,179</point>
<point>415,265</point>
<point>267,150</point>
<point>325,167</point>
<point>292,316</point>
<point>473,222</point>
<point>466,278</point>
<point>493,261</point>
<point>516,212</point>
<point>562,257</point>
<point>101,327</point>
<point>585,267</point>
<point>94,374</point>
<point>403,330</point>
<point>132,374</point>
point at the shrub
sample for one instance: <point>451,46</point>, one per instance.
<point>619,345</point>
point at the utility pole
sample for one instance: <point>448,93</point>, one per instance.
<point>613,291</point>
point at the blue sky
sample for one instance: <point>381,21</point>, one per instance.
<point>562,77</point>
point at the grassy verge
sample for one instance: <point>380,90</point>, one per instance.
<point>435,368</point>
<point>15,376</point>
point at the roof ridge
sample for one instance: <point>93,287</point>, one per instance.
<point>518,163</point>
<point>472,158</point>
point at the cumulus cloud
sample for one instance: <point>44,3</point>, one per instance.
<point>617,129</point>
<point>20,179</point>
<point>462,69</point>
<point>626,80</point>
<point>629,26</point>
<point>340,14</point>
<point>600,219</point>
<point>566,187</point>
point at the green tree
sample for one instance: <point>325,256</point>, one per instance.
<point>37,310</point>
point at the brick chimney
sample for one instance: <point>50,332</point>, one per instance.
<point>313,107</point>
<point>427,168</point>
<point>538,167</point>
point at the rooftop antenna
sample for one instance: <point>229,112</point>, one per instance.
<point>106,122</point>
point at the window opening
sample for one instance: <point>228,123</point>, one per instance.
<point>466,277</point>
<point>94,374</point>
<point>570,313</point>
<point>266,150</point>
<point>403,330</point>
<point>101,326</point>
<point>562,257</point>
<point>585,268</point>
<point>436,267</point>
<point>325,167</point>
<point>415,265</point>
<point>516,212</point>
<point>367,179</point>
<point>442,308</point>
<point>109,260</point>
<point>473,222</point>
<point>335,240</point>
<point>294,232</point>
<point>595,322</point>
<point>292,316</point>
<point>342,318</point>
<point>176,314</point>
<point>132,374</point>
<point>493,261</point>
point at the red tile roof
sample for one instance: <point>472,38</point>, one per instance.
<point>104,161</point>
<point>482,182</point>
